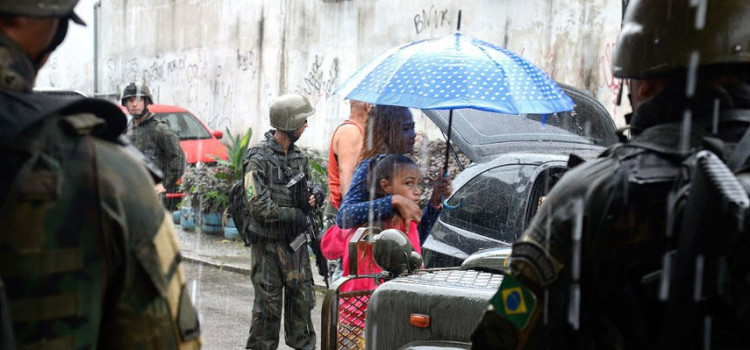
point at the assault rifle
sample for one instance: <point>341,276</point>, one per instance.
<point>302,191</point>
<point>704,267</point>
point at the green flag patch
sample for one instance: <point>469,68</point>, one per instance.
<point>514,302</point>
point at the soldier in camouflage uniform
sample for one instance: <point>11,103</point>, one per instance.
<point>585,274</point>
<point>154,138</point>
<point>277,216</point>
<point>89,257</point>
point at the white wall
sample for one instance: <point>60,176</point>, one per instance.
<point>71,65</point>
<point>226,60</point>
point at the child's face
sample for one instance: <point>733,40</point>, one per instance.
<point>405,182</point>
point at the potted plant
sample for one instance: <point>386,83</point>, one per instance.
<point>206,188</point>
<point>236,154</point>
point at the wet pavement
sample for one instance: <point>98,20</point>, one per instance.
<point>218,252</point>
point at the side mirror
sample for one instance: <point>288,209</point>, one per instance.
<point>393,252</point>
<point>217,134</point>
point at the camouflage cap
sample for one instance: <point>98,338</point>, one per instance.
<point>41,8</point>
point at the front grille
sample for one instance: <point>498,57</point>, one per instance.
<point>458,278</point>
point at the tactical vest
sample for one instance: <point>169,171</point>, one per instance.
<point>277,180</point>
<point>50,279</point>
<point>62,245</point>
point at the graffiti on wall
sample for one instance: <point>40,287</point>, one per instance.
<point>432,18</point>
<point>197,81</point>
<point>321,78</point>
<point>608,77</point>
<point>246,61</point>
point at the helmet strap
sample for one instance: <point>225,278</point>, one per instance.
<point>292,137</point>
<point>143,113</point>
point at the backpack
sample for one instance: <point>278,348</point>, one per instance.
<point>706,266</point>
<point>236,209</point>
<point>237,204</point>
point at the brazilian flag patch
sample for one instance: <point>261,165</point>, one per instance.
<point>249,185</point>
<point>514,302</point>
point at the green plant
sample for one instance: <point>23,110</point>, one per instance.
<point>236,152</point>
<point>208,186</point>
<point>318,167</point>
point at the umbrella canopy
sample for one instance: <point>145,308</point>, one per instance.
<point>456,71</point>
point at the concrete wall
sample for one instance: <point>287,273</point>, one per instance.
<point>226,60</point>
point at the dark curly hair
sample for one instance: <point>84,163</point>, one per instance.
<point>385,168</point>
<point>382,131</point>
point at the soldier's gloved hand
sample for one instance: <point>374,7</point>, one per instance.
<point>319,193</point>
<point>303,201</point>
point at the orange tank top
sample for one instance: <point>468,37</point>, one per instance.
<point>333,168</point>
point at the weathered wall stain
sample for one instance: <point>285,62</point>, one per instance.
<point>226,68</point>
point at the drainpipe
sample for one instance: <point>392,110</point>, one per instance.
<point>97,9</point>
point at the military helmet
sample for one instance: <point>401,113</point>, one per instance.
<point>660,36</point>
<point>290,112</point>
<point>392,251</point>
<point>41,8</point>
<point>138,90</point>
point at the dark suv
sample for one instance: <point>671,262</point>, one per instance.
<point>515,161</point>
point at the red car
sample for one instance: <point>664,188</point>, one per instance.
<point>197,141</point>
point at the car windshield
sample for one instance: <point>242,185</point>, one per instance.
<point>497,214</point>
<point>185,125</point>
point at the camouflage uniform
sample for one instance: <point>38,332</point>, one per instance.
<point>586,266</point>
<point>90,258</point>
<point>161,145</point>
<point>277,269</point>
<point>586,273</point>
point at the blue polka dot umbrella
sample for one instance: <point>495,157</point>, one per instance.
<point>456,71</point>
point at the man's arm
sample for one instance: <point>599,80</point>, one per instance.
<point>173,155</point>
<point>355,206</point>
<point>347,146</point>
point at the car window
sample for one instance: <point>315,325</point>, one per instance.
<point>495,202</point>
<point>488,127</point>
<point>185,125</point>
<point>544,182</point>
<point>599,131</point>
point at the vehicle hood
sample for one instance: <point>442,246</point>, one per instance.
<point>481,135</point>
<point>206,147</point>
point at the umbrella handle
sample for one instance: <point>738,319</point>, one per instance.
<point>453,207</point>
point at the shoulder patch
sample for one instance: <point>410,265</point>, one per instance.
<point>535,256</point>
<point>249,185</point>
